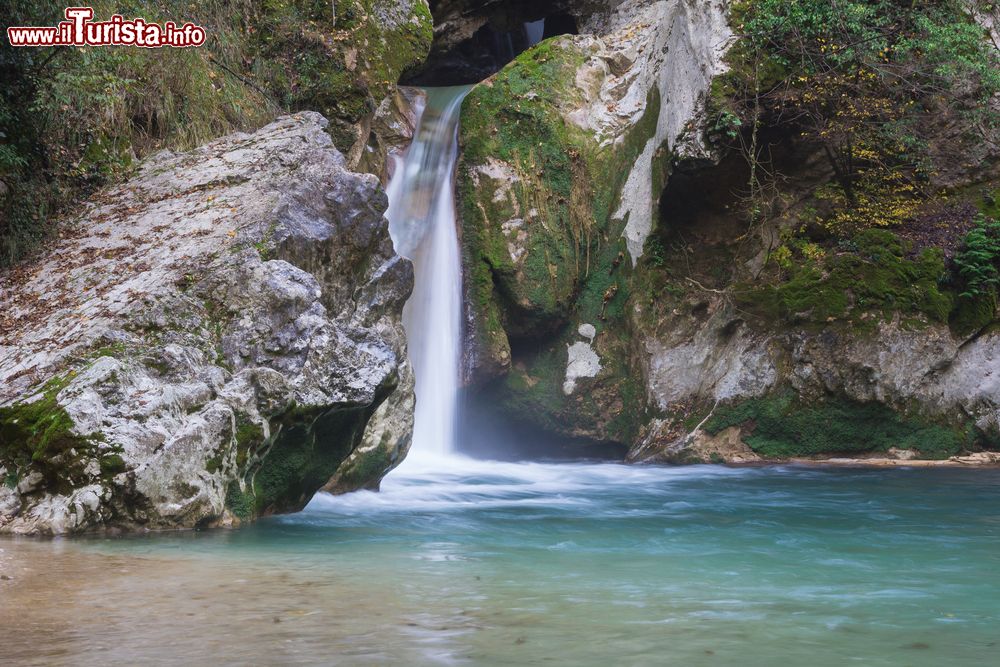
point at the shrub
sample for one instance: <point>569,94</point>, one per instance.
<point>977,262</point>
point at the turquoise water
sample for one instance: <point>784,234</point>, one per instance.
<point>563,564</point>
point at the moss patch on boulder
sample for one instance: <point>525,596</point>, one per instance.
<point>308,446</point>
<point>38,436</point>
<point>781,426</point>
<point>872,274</point>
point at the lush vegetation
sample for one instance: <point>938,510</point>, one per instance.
<point>875,88</point>
<point>867,81</point>
<point>977,262</point>
<point>74,119</point>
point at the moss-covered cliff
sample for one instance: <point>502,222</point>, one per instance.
<point>562,152</point>
<point>811,231</point>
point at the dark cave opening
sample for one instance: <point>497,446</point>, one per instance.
<point>497,37</point>
<point>484,432</point>
<point>704,220</point>
<point>560,24</point>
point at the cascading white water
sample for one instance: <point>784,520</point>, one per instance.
<point>535,31</point>
<point>422,224</point>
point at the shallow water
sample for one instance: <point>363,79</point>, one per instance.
<point>578,564</point>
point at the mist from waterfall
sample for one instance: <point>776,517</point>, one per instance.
<point>423,228</point>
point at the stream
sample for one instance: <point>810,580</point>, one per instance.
<point>524,564</point>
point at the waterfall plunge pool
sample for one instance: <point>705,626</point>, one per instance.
<point>572,564</point>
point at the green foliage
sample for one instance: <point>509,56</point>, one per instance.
<point>653,252</point>
<point>240,502</point>
<point>976,277</point>
<point>978,260</point>
<point>75,119</point>
<point>972,314</point>
<point>864,80</point>
<point>249,437</point>
<point>783,426</point>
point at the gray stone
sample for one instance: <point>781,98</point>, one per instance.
<point>195,306</point>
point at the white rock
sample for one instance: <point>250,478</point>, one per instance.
<point>582,362</point>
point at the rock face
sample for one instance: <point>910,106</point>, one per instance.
<point>720,383</point>
<point>392,129</point>
<point>599,240</point>
<point>565,152</point>
<point>210,342</point>
<point>343,59</point>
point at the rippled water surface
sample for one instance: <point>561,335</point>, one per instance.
<point>528,564</point>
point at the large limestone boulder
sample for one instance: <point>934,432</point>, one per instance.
<point>206,343</point>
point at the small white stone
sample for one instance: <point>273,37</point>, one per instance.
<point>582,362</point>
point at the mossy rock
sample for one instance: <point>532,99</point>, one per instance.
<point>307,448</point>
<point>342,58</point>
<point>781,426</point>
<point>874,275</point>
<point>542,250</point>
<point>38,435</point>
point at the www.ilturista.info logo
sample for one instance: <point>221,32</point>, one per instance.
<point>79,30</point>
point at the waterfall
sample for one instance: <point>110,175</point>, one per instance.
<point>534,31</point>
<point>423,229</point>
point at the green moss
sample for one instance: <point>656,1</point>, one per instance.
<point>989,203</point>
<point>877,276</point>
<point>239,502</point>
<point>609,408</point>
<point>308,448</point>
<point>973,313</point>
<point>624,426</point>
<point>576,267</point>
<point>111,465</point>
<point>367,468</point>
<point>515,118</point>
<point>248,433</point>
<point>38,435</point>
<point>782,426</point>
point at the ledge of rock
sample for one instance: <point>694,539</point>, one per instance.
<point>206,344</point>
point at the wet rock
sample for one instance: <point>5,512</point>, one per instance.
<point>565,152</point>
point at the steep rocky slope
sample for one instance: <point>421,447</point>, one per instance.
<point>74,120</point>
<point>622,288</point>
<point>212,341</point>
